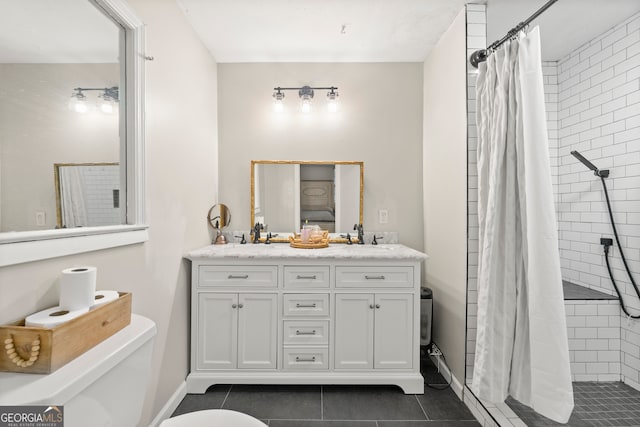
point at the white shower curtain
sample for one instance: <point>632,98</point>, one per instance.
<point>74,212</point>
<point>521,346</point>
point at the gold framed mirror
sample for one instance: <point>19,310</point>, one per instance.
<point>286,194</point>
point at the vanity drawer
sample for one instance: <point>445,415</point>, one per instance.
<point>306,277</point>
<point>306,304</point>
<point>306,359</point>
<point>374,277</point>
<point>301,332</point>
<point>241,275</point>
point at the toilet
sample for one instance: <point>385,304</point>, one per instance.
<point>213,418</point>
<point>105,386</point>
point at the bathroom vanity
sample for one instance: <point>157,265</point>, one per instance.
<point>273,314</point>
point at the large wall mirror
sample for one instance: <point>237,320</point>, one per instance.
<point>285,195</point>
<point>71,92</point>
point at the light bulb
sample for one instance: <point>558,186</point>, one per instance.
<point>278,105</point>
<point>78,102</point>
<point>106,107</point>
<point>305,107</point>
<point>332,101</point>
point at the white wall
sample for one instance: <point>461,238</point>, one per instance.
<point>37,130</point>
<point>445,190</point>
<point>181,182</point>
<point>379,122</point>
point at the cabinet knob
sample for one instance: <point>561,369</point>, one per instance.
<point>377,305</point>
<point>240,305</point>
<point>234,305</point>
<point>371,306</point>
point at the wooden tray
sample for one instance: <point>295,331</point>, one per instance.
<point>318,242</point>
<point>65,342</point>
<point>300,245</point>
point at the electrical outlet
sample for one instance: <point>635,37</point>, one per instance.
<point>41,218</point>
<point>383,216</point>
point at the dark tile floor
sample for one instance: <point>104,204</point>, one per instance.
<point>595,404</point>
<point>338,406</point>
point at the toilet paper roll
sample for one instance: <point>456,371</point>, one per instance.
<point>77,288</point>
<point>103,297</point>
<point>52,317</point>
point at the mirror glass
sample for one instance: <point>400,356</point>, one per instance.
<point>219,216</point>
<point>285,195</point>
<point>87,194</point>
<point>47,51</point>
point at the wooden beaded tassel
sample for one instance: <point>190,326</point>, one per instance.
<point>15,357</point>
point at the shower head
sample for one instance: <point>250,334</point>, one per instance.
<point>597,172</point>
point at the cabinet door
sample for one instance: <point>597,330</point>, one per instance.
<point>257,331</point>
<point>217,331</point>
<point>354,331</point>
<point>393,331</point>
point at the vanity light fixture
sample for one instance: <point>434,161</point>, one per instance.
<point>109,98</point>
<point>305,93</point>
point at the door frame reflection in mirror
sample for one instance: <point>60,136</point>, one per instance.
<point>283,235</point>
<point>26,246</point>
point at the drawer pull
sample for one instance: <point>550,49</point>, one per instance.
<point>301,359</point>
<point>313,305</point>
<point>374,277</point>
<point>238,276</point>
<point>312,277</point>
<point>306,333</point>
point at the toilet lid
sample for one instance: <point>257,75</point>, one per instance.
<point>213,418</point>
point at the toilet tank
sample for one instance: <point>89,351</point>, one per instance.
<point>105,386</point>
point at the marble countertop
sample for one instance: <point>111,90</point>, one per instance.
<point>283,250</point>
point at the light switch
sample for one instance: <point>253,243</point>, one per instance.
<point>41,218</point>
<point>383,216</point>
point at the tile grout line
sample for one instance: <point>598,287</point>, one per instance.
<point>226,396</point>
<point>423,411</point>
<point>321,402</point>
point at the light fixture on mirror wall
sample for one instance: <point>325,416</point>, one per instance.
<point>305,93</point>
<point>108,99</point>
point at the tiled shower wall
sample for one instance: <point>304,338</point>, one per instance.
<point>593,106</point>
<point>476,39</point>
<point>598,114</point>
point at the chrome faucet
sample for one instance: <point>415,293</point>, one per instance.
<point>360,233</point>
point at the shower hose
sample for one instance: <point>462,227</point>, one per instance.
<point>624,260</point>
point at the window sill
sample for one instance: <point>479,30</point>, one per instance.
<point>27,246</point>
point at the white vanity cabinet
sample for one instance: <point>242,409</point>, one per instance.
<point>236,331</point>
<point>374,331</point>
<point>272,314</point>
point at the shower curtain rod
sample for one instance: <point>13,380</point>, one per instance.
<point>481,55</point>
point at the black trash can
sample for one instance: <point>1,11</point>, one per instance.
<point>426,316</point>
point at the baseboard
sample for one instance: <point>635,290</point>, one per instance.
<point>171,405</point>
<point>444,370</point>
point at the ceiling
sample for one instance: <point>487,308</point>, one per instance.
<point>380,30</point>
<point>565,26</point>
<point>60,31</point>
<point>299,30</point>
<point>320,30</point>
